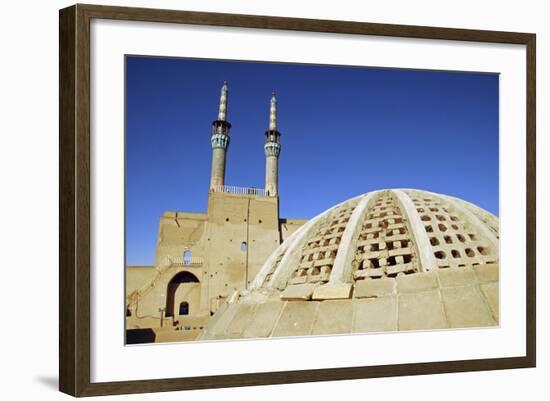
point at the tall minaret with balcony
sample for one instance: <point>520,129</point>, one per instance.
<point>220,142</point>
<point>272,150</point>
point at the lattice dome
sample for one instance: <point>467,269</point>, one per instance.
<point>387,260</point>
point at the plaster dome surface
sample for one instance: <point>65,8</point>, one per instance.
<point>399,259</point>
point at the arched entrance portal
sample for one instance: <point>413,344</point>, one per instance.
<point>183,295</point>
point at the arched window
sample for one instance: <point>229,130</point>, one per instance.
<point>184,308</point>
<point>187,257</point>
<point>243,246</point>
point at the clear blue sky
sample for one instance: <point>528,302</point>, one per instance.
<point>345,131</point>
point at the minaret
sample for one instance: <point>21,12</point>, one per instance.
<point>272,150</point>
<point>220,141</point>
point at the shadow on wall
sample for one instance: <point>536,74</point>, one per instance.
<point>51,382</point>
<point>140,336</point>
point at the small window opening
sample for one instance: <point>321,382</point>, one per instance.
<point>243,246</point>
<point>187,257</point>
<point>184,308</point>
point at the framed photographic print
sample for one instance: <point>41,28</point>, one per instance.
<point>250,200</point>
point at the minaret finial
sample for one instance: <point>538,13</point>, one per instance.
<point>273,112</point>
<point>222,113</point>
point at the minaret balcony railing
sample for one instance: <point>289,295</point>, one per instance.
<point>219,141</point>
<point>272,149</point>
<point>232,189</point>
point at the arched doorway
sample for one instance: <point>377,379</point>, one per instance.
<point>183,295</point>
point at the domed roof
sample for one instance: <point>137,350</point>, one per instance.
<point>384,244</point>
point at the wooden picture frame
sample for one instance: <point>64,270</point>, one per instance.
<point>74,204</point>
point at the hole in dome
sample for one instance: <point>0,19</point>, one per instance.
<point>448,239</point>
<point>454,226</point>
<point>440,217</point>
<point>469,252</point>
<point>434,241</point>
<point>429,229</point>
<point>461,238</point>
<point>483,250</point>
<point>374,263</point>
<point>440,255</point>
<point>473,237</point>
<point>442,227</point>
<point>425,217</point>
<point>454,218</point>
<point>455,253</point>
